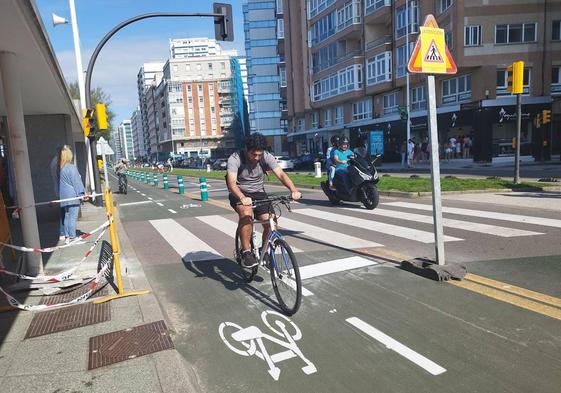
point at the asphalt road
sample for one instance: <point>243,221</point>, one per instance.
<point>365,324</point>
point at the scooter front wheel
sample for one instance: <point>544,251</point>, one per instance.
<point>369,196</point>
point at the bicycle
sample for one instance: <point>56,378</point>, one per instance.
<point>278,258</point>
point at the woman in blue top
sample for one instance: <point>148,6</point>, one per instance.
<point>342,154</point>
<point>70,186</point>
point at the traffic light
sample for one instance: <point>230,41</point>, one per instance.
<point>87,121</point>
<point>515,78</point>
<point>101,116</point>
<point>403,113</point>
<point>223,27</point>
<point>546,116</point>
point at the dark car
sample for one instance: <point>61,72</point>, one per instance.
<point>220,164</point>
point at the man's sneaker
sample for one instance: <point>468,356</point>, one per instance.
<point>248,259</point>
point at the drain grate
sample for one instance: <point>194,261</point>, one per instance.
<point>128,344</point>
<point>70,295</point>
<point>68,318</point>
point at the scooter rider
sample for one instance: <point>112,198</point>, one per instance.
<point>329,164</point>
<point>342,155</point>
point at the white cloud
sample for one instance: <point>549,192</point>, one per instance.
<point>116,68</point>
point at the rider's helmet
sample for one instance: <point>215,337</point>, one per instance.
<point>344,141</point>
<point>335,140</point>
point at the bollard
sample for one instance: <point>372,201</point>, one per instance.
<point>156,180</point>
<point>180,186</point>
<point>208,167</point>
<point>166,184</point>
<point>148,178</point>
<point>317,165</point>
<point>204,190</point>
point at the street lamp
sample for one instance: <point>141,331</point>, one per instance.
<point>59,20</point>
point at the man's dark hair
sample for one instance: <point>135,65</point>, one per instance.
<point>255,142</point>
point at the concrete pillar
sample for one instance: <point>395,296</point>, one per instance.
<point>9,71</point>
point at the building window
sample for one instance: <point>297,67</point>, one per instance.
<point>379,68</point>
<point>449,39</point>
<point>280,29</point>
<point>403,59</point>
<point>317,6</point>
<point>187,67</point>
<point>362,109</point>
<point>456,89</point>
<point>324,57</point>
<point>556,30</point>
<point>279,7</point>
<point>300,125</point>
<point>223,65</point>
<point>175,68</point>
<point>444,5</point>
<point>343,81</point>
<point>282,74</point>
<point>401,19</point>
<point>198,66</point>
<point>373,5</point>
<point>502,82</point>
<point>264,5</point>
<point>258,43</point>
<point>324,28</point>
<point>348,14</point>
<point>200,88</point>
<point>515,33</point>
<point>264,60</point>
<point>472,36</point>
<point>391,102</point>
<point>418,98</point>
<point>556,80</point>
<point>328,117</point>
<point>315,119</point>
<point>339,115</point>
<point>210,66</point>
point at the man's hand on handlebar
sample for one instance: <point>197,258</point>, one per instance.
<point>246,201</point>
<point>296,195</point>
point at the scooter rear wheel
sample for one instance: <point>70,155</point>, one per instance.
<point>330,194</point>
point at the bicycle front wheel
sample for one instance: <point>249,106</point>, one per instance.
<point>285,277</point>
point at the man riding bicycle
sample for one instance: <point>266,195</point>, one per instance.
<point>244,179</point>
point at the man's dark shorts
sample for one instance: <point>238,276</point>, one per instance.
<point>262,208</point>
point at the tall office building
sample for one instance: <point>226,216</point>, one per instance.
<point>126,139</point>
<point>347,71</point>
<point>193,47</point>
<point>115,143</point>
<point>138,134</point>
<point>264,33</point>
<point>145,78</point>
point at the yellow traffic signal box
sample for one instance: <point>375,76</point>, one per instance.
<point>87,121</point>
<point>101,115</point>
<point>515,80</point>
<point>546,116</point>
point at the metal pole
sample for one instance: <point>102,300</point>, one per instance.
<point>10,75</point>
<point>81,87</point>
<point>100,46</point>
<point>407,76</point>
<point>105,176</point>
<point>435,173</point>
<point>518,129</point>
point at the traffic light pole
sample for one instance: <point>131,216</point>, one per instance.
<point>222,19</point>
<point>518,130</point>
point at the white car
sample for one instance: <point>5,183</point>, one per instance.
<point>285,162</point>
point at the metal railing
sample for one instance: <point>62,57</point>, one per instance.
<point>385,40</point>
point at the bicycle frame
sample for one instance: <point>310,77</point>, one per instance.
<point>274,234</point>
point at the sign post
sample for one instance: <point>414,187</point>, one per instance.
<point>431,56</point>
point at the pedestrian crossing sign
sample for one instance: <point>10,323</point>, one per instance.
<point>431,54</point>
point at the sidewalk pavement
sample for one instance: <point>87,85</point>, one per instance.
<point>58,362</point>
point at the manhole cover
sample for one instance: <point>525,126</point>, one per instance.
<point>68,318</point>
<point>128,344</point>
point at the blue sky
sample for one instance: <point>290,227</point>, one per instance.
<point>119,61</point>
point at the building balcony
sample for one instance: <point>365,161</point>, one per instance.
<point>377,11</point>
<point>338,60</point>
<point>384,42</point>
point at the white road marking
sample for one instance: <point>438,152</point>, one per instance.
<point>389,229</point>
<point>143,195</point>
<point>150,198</point>
<point>187,245</point>
<point>325,236</point>
<point>335,266</point>
<point>159,204</point>
<point>172,211</point>
<point>396,346</point>
<point>134,203</point>
<point>549,222</point>
<point>448,222</point>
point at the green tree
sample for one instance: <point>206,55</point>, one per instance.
<point>97,95</point>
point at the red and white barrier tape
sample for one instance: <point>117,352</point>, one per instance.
<point>19,208</point>
<point>58,277</point>
<point>55,248</point>
<point>42,307</point>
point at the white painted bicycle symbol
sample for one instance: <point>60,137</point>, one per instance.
<point>250,341</point>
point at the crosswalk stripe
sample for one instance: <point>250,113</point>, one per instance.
<point>338,265</point>
<point>451,223</point>
<point>389,229</point>
<point>325,236</point>
<point>187,245</point>
<point>549,222</point>
<point>229,227</point>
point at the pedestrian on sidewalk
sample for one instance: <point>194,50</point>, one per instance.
<point>424,150</point>
<point>410,150</point>
<point>467,146</point>
<point>70,186</point>
<point>403,151</point>
<point>459,145</point>
<point>416,153</point>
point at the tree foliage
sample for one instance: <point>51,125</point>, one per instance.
<point>97,95</point>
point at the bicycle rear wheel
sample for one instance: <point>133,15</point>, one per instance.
<point>285,277</point>
<point>247,274</point>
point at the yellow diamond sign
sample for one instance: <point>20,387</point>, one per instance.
<point>431,55</point>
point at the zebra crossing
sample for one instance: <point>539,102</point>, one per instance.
<point>312,229</point>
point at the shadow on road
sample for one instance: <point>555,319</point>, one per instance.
<point>544,194</point>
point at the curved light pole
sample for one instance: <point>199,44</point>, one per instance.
<point>219,19</point>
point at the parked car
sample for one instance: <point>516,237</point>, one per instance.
<point>220,164</point>
<point>286,163</point>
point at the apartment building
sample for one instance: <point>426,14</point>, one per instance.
<point>126,140</point>
<point>347,70</point>
<point>138,134</point>
<point>265,51</point>
<point>145,78</point>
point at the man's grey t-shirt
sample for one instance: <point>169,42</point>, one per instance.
<point>250,177</point>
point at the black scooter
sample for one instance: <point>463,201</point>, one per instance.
<point>357,185</point>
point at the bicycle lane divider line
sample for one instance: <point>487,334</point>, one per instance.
<point>334,266</point>
<point>172,211</point>
<point>159,204</point>
<point>397,347</point>
<point>135,203</point>
<point>497,290</point>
